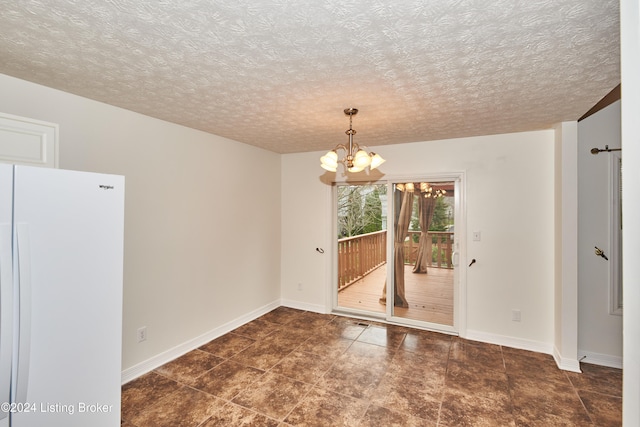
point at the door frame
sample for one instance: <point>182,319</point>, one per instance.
<point>460,246</point>
<point>459,236</point>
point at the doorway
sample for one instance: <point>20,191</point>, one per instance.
<point>397,251</point>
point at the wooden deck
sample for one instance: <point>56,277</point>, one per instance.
<point>430,296</point>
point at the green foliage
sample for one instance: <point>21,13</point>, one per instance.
<point>372,212</point>
<point>359,209</point>
<point>441,218</point>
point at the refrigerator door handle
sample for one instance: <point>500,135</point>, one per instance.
<point>24,341</point>
<point>6,315</point>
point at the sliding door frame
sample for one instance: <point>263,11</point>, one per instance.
<point>460,245</point>
<point>460,250</point>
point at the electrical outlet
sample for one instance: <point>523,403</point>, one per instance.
<point>515,315</point>
<point>299,286</point>
<point>142,334</point>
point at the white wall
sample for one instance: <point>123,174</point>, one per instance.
<point>510,199</point>
<point>566,246</point>
<point>202,235</point>
<point>630,49</point>
<point>599,333</point>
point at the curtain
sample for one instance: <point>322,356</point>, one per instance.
<point>401,231</point>
<point>403,206</point>
<point>426,208</point>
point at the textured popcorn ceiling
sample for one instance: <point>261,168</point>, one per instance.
<point>279,73</point>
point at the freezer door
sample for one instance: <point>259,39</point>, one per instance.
<point>6,288</point>
<point>69,235</point>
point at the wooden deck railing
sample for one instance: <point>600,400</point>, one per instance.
<point>438,253</point>
<point>360,255</point>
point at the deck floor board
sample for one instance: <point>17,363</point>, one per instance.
<point>430,296</point>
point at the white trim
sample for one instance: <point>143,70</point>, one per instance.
<point>512,342</point>
<point>181,349</point>
<point>600,359</point>
<point>566,364</point>
<point>26,141</point>
<point>459,296</point>
<point>615,238</point>
<point>316,308</point>
<point>331,267</point>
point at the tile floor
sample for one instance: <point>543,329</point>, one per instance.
<point>297,368</point>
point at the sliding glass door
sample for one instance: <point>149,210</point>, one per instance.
<point>423,275</point>
<point>397,251</point>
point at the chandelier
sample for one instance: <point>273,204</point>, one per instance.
<point>355,159</point>
<point>426,190</point>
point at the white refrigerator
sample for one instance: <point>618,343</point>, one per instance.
<point>61,266</point>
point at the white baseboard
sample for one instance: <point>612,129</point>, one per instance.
<point>513,342</point>
<point>177,351</point>
<point>316,308</point>
<point>600,359</point>
<point>566,364</point>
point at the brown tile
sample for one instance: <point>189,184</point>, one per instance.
<point>257,329</point>
<point>368,354</point>
<point>600,379</point>
<point>536,401</point>
<point>184,408</point>
<point>282,315</point>
<point>383,336</point>
<point>234,415</point>
<point>263,354</point>
<point>273,395</point>
<point>323,408</point>
<point>528,364</point>
<point>603,410</point>
<point>309,320</point>
<point>325,345</point>
<point>476,381</point>
<point>227,379</point>
<point>425,342</point>
<point>377,416</point>
<point>228,345</point>
<point>347,363</point>
<point>408,364</point>
<point>353,379</point>
<point>460,410</point>
<point>344,327</point>
<point>305,367</point>
<point>189,366</point>
<point>477,355</point>
<point>144,391</point>
<point>419,397</point>
<point>540,419</point>
<point>287,337</point>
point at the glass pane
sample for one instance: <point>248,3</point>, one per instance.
<point>423,237</point>
<point>362,246</point>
